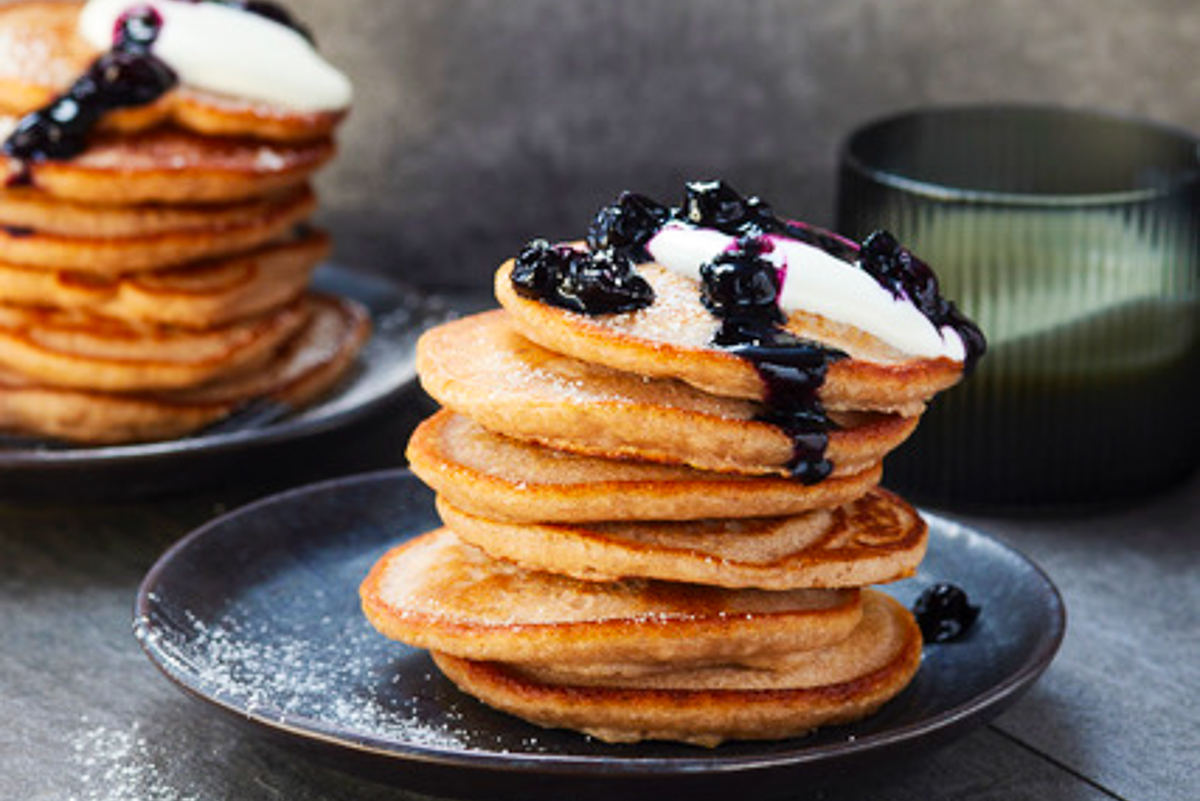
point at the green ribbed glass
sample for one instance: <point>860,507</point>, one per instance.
<point>1073,239</point>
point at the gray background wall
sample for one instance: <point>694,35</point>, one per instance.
<point>481,123</point>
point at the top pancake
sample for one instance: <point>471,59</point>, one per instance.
<point>480,367</point>
<point>41,55</point>
<point>671,339</point>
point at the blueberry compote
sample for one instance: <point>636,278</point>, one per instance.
<point>741,288</point>
<point>944,612</point>
<point>271,11</point>
<point>591,282</point>
<point>897,270</point>
<point>627,225</point>
<point>127,75</point>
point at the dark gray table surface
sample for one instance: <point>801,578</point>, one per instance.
<point>84,715</point>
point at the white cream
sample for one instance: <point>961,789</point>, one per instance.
<point>229,51</point>
<point>817,283</point>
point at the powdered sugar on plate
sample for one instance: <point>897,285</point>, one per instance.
<point>329,675</point>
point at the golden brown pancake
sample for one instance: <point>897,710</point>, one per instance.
<point>41,55</point>
<point>296,374</point>
<point>201,295</point>
<point>501,478</point>
<point>874,539</point>
<point>82,351</point>
<point>710,705</point>
<point>479,366</point>
<point>161,250</point>
<point>437,592</point>
<point>28,209</point>
<point>671,339</point>
<point>169,165</point>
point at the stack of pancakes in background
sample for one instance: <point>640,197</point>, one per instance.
<point>157,281</point>
<point>626,550</point>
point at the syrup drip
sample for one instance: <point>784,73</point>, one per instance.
<point>742,289</point>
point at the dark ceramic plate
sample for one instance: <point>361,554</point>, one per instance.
<point>385,368</point>
<point>257,613</point>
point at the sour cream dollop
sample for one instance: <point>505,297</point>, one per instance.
<point>229,51</point>
<point>819,283</point>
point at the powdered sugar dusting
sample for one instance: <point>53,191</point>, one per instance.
<point>115,764</point>
<point>329,675</point>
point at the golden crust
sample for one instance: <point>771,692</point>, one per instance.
<point>479,366</point>
<point>296,374</point>
<point>437,592</point>
<point>506,479</point>
<point>874,539</point>
<point>155,251</point>
<point>29,209</point>
<point>41,55</point>
<point>707,716</point>
<point>169,165</point>
<point>76,350</point>
<point>202,295</point>
<point>670,339</point>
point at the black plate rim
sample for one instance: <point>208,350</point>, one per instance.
<point>982,707</point>
<point>289,429</point>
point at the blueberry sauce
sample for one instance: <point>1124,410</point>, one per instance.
<point>944,613</point>
<point>271,11</point>
<point>627,225</point>
<point>741,288</point>
<point>17,231</point>
<point>897,270</point>
<point>127,75</point>
<point>601,282</point>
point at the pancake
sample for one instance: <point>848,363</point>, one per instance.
<point>296,374</point>
<point>874,539</point>
<point>41,54</point>
<point>839,684</point>
<point>480,367</point>
<point>31,210</point>
<point>82,351</point>
<point>201,295</point>
<point>160,250</point>
<point>670,339</point>
<point>437,592</point>
<point>500,478</point>
<point>168,165</point>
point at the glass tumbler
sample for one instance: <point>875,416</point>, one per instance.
<point>1073,239</point>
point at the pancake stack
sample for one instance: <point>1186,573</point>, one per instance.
<point>157,280</point>
<point>634,545</point>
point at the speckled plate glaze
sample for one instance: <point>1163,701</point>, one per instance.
<point>385,368</point>
<point>257,614</point>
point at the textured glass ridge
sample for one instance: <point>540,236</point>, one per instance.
<point>1079,258</point>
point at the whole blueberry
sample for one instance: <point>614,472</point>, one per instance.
<point>944,612</point>
<point>714,204</point>
<point>604,282</point>
<point>741,282</point>
<point>628,224</point>
<point>137,28</point>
